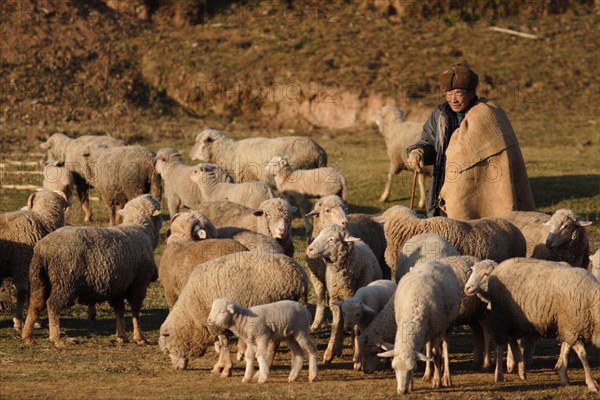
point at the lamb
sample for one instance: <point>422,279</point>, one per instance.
<point>273,218</point>
<point>299,185</point>
<point>67,151</point>
<point>175,174</point>
<point>274,277</point>
<point>244,159</point>
<point>359,310</point>
<point>121,174</point>
<point>91,265</point>
<point>332,210</point>
<point>595,259</point>
<point>566,304</point>
<point>421,248</point>
<point>426,303</point>
<point>58,178</point>
<point>398,135</point>
<point>561,237</point>
<point>19,232</point>
<point>259,325</point>
<point>493,238</point>
<point>249,194</point>
<point>349,265</point>
<point>185,250</point>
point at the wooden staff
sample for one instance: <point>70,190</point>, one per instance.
<point>414,185</point>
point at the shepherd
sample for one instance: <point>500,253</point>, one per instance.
<point>478,168</point>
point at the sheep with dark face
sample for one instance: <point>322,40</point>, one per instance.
<point>91,265</point>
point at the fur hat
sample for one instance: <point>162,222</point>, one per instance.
<point>458,76</point>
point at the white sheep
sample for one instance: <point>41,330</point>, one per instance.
<point>298,185</point>
<point>426,303</point>
<point>272,218</point>
<point>69,152</point>
<point>349,265</point>
<point>398,135</point>
<point>332,210</point>
<point>359,310</point>
<point>257,326</point>
<point>421,248</point>
<point>91,265</point>
<point>560,237</point>
<point>175,175</point>
<point>249,194</point>
<point>493,238</point>
<point>530,296</point>
<point>19,232</point>
<point>58,177</point>
<point>595,259</point>
<point>245,159</point>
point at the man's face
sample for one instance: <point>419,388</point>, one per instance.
<point>459,99</point>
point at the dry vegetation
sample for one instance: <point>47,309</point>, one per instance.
<point>79,67</point>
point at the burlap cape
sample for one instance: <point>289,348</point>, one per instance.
<point>485,171</point>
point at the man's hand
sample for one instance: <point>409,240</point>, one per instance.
<point>415,160</point>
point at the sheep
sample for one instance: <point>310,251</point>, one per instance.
<point>67,151</point>
<point>595,259</point>
<point>57,177</point>
<point>259,325</point>
<point>244,159</point>
<point>398,135</point>
<point>185,250</point>
<point>332,210</point>
<point>249,194</point>
<point>426,303</point>
<point>273,218</point>
<point>359,310</point>
<point>300,184</point>
<point>248,278</point>
<point>254,241</point>
<point>19,232</point>
<point>121,174</point>
<point>561,237</point>
<point>349,265</point>
<point>539,297</point>
<point>175,175</point>
<point>493,238</point>
<point>91,265</point>
<point>421,248</point>
<point>380,331</point>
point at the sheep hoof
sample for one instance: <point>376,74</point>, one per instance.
<point>217,369</point>
<point>245,380</point>
<point>357,366</point>
<point>141,342</point>
<point>446,382</point>
<point>226,373</point>
<point>28,341</point>
<point>383,199</point>
<point>262,380</point>
<point>17,324</point>
<point>122,340</point>
<point>37,325</point>
<point>59,343</point>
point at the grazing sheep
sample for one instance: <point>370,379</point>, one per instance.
<point>273,218</point>
<point>57,177</point>
<point>595,259</point>
<point>561,237</point>
<point>176,177</point>
<point>531,297</point>
<point>332,210</point>
<point>121,174</point>
<point>19,232</point>
<point>185,250</point>
<point>398,135</point>
<point>426,303</point>
<point>359,310</point>
<point>68,152</point>
<point>245,159</point>
<point>299,185</point>
<point>380,331</point>
<point>259,325</point>
<point>248,278</point>
<point>249,194</point>
<point>421,248</point>
<point>493,238</point>
<point>91,265</point>
<point>349,265</point>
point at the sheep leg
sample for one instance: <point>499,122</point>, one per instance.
<point>272,351</point>
<point>334,346</point>
<point>92,312</point>
<point>428,374</point>
<point>173,205</point>
<point>422,196</point>
<point>304,206</point>
<point>241,346</point>
<point>528,347</point>
<point>36,303</point>
<point>562,363</point>
<point>297,359</point>
<point>446,378</point>
<point>307,344</point>
<point>591,383</point>
<point>393,170</point>
<point>357,356</point>
<point>54,324</point>
<point>119,307</point>
<point>83,192</point>
<point>249,357</point>
<point>318,285</point>
<point>224,365</point>
<point>499,373</point>
<point>436,382</point>
<point>478,346</point>
<point>520,362</point>
<point>262,352</point>
<point>20,306</point>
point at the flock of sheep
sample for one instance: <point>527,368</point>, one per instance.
<point>398,282</point>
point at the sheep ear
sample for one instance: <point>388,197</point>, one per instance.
<point>422,357</point>
<point>338,303</point>
<point>313,212</point>
<point>584,223</point>
<point>232,308</point>
<point>368,309</point>
<point>30,201</point>
<point>121,212</point>
<point>547,223</point>
<point>156,213</point>
<point>258,213</point>
<point>349,238</point>
<point>380,219</point>
<point>45,145</point>
<point>387,354</point>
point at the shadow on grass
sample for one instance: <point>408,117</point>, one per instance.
<point>549,190</point>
